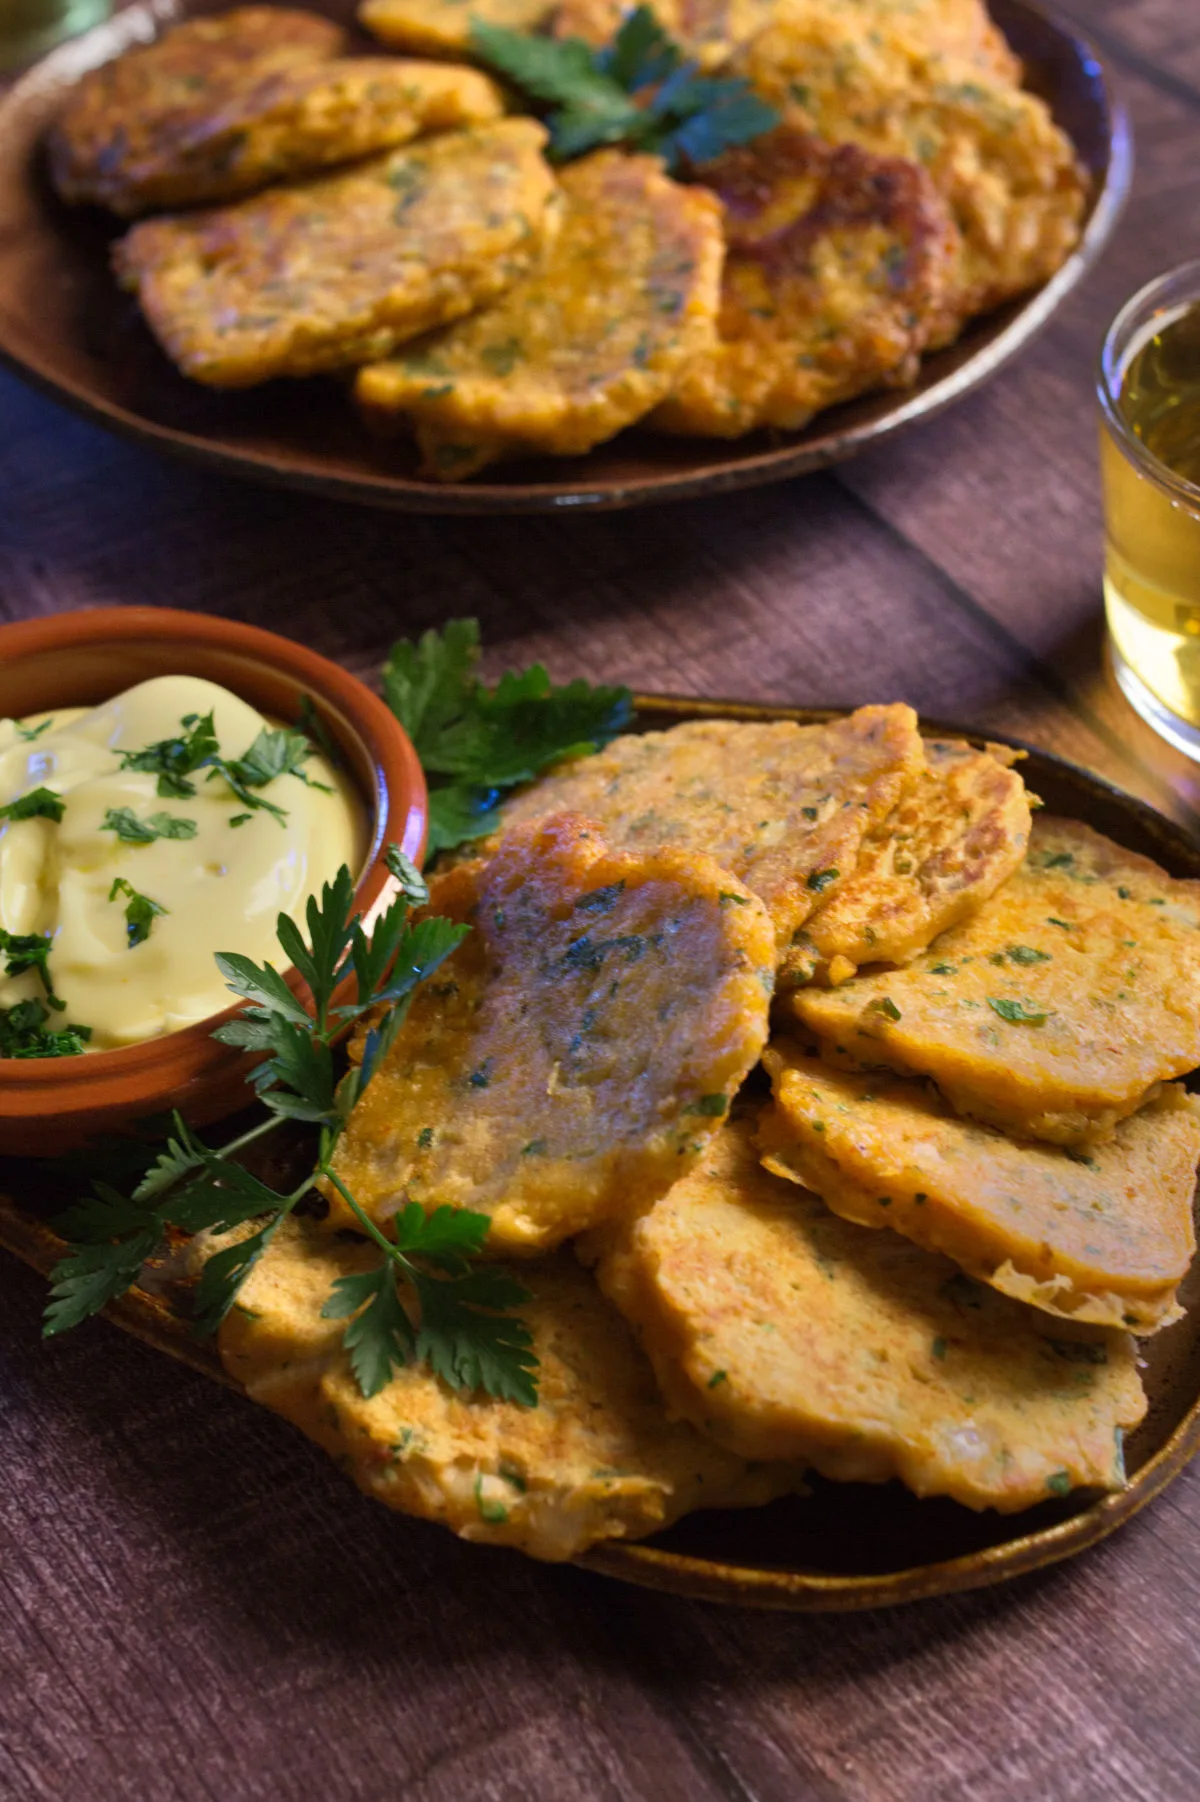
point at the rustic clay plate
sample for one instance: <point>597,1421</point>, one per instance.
<point>846,1545</point>
<point>65,326</point>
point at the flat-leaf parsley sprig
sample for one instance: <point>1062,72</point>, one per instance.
<point>475,743</point>
<point>639,90</point>
<point>425,1299</point>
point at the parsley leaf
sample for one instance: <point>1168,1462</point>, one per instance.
<point>23,1033</point>
<point>639,91</point>
<point>29,733</point>
<point>38,804</point>
<point>132,831</point>
<point>140,912</point>
<point>175,760</point>
<point>24,951</point>
<point>475,742</point>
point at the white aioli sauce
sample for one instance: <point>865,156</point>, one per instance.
<point>222,889</point>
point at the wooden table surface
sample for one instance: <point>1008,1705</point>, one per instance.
<point>193,1603</point>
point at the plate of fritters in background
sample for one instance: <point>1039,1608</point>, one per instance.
<point>844,1544</point>
<point>67,327</point>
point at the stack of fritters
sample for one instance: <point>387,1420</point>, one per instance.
<point>910,184</point>
<point>867,1276</point>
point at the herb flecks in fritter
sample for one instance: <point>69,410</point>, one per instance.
<point>609,1038</point>
<point>1107,1240</point>
<point>620,301</point>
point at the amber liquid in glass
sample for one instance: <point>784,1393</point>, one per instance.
<point>1152,560</point>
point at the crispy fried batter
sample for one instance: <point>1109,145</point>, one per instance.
<point>1011,177</point>
<point>128,114</point>
<point>786,1332</point>
<point>596,1459</point>
<point>784,807</point>
<point>1054,1011</point>
<point>708,31</point>
<point>1108,1239</point>
<point>581,1046</point>
<point>334,271</point>
<point>300,120</point>
<point>839,266</point>
<point>952,841</point>
<point>624,296</point>
<point>443,27</point>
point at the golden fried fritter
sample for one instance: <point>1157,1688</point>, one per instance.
<point>786,1332</point>
<point>443,27</point>
<point>1056,1009</point>
<point>707,31</point>
<point>596,1459</point>
<point>1108,1239</point>
<point>839,266</point>
<point>623,297</point>
<point>1011,178</point>
<point>784,807</point>
<point>296,121</point>
<point>952,841</point>
<point>336,270</point>
<point>578,1049</point>
<point>127,115</point>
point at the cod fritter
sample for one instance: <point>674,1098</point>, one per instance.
<point>952,841</point>
<point>620,301</point>
<point>1010,176</point>
<point>1106,1240</point>
<point>443,27</point>
<point>342,268</point>
<point>784,807</point>
<point>786,1332</point>
<point>580,1047</point>
<point>1056,1009</point>
<point>708,31</point>
<point>838,268</point>
<point>299,120</point>
<point>127,116</point>
<point>711,30</point>
<point>597,1459</point>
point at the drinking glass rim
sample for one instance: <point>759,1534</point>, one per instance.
<point>1110,372</point>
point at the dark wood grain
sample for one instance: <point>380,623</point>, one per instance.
<point>193,1605</point>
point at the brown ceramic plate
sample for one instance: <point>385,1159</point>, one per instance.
<point>65,326</point>
<point>846,1545</point>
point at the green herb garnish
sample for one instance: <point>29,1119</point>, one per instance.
<point>461,1326</point>
<point>132,831</point>
<point>140,911</point>
<point>639,91</point>
<point>175,760</point>
<point>475,742</point>
<point>38,804</point>
<point>887,1007</point>
<point>820,880</point>
<point>29,733</point>
<point>24,951</point>
<point>23,1033</point>
<point>1025,954</point>
<point>1015,1012</point>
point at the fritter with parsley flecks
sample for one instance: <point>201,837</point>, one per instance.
<point>959,833</point>
<point>344,267</point>
<point>838,269</point>
<point>127,116</point>
<point>1008,173</point>
<point>579,1048</point>
<point>443,27</point>
<point>785,807</point>
<point>622,299</point>
<point>1055,1010</point>
<point>785,1332</point>
<point>708,31</point>
<point>597,1459</point>
<point>299,120</point>
<point>1106,1239</point>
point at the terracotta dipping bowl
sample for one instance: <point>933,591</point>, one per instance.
<point>48,1105</point>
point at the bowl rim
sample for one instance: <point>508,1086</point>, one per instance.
<point>397,811</point>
